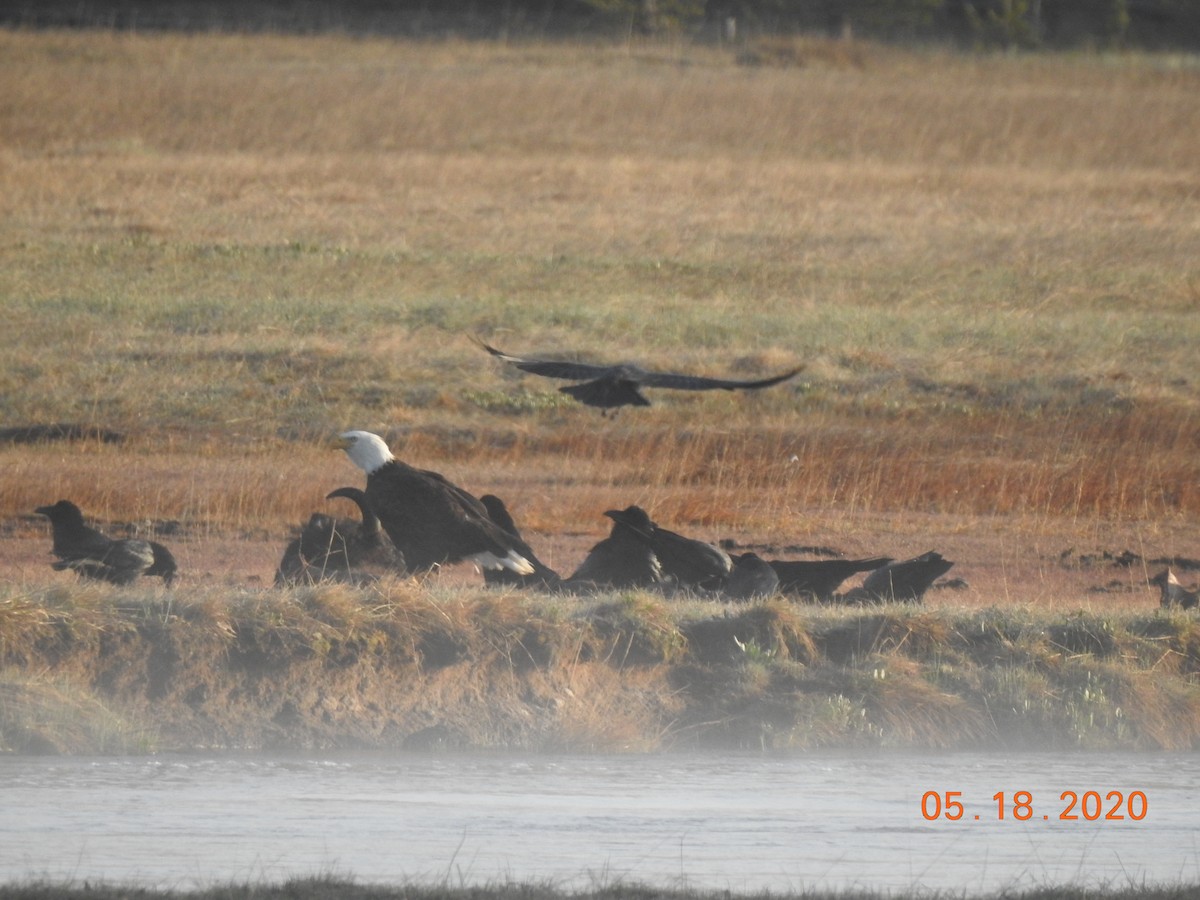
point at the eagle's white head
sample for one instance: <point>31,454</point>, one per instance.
<point>367,451</point>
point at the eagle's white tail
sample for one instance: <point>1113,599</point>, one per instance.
<point>514,561</point>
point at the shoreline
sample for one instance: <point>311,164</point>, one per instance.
<point>333,887</point>
<point>88,669</point>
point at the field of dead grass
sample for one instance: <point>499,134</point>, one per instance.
<point>229,248</point>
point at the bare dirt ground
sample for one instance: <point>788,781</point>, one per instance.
<point>997,562</point>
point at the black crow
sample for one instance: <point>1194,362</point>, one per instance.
<point>624,559</point>
<point>904,581</point>
<point>685,562</point>
<point>608,387</point>
<point>317,554</point>
<point>752,578</point>
<point>337,549</point>
<point>818,579</point>
<point>93,555</point>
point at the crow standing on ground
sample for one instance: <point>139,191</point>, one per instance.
<point>624,559</point>
<point>752,578</point>
<point>337,549</point>
<point>692,564</point>
<point>93,555</point>
<point>684,562</point>
<point>903,581</point>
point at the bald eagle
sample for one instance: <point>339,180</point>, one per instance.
<point>93,555</point>
<point>608,387</point>
<point>430,520</point>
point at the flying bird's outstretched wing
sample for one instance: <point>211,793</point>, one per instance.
<point>617,385</point>
<point>549,368</point>
<point>700,383</point>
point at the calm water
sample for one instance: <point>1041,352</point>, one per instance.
<point>737,822</point>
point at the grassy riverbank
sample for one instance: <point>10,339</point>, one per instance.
<point>95,670</point>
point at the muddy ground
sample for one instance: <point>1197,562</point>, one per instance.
<point>998,562</point>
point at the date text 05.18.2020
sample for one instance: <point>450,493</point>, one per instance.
<point>1073,806</point>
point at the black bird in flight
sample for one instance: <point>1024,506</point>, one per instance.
<point>608,387</point>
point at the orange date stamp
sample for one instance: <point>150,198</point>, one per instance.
<point>1072,806</point>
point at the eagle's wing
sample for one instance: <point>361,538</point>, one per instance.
<point>700,383</point>
<point>550,368</point>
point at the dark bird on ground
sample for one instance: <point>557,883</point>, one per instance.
<point>624,559</point>
<point>903,581</point>
<point>91,554</point>
<point>1174,593</point>
<point>685,562</point>
<point>818,579</point>
<point>430,520</point>
<point>542,576</point>
<point>752,578</point>
<point>317,554</point>
<point>339,549</point>
<point>608,387</point>
<point>368,545</point>
<point>689,563</point>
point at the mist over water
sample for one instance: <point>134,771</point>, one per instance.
<point>703,821</point>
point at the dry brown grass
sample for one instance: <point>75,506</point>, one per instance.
<point>87,668</point>
<point>230,247</point>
